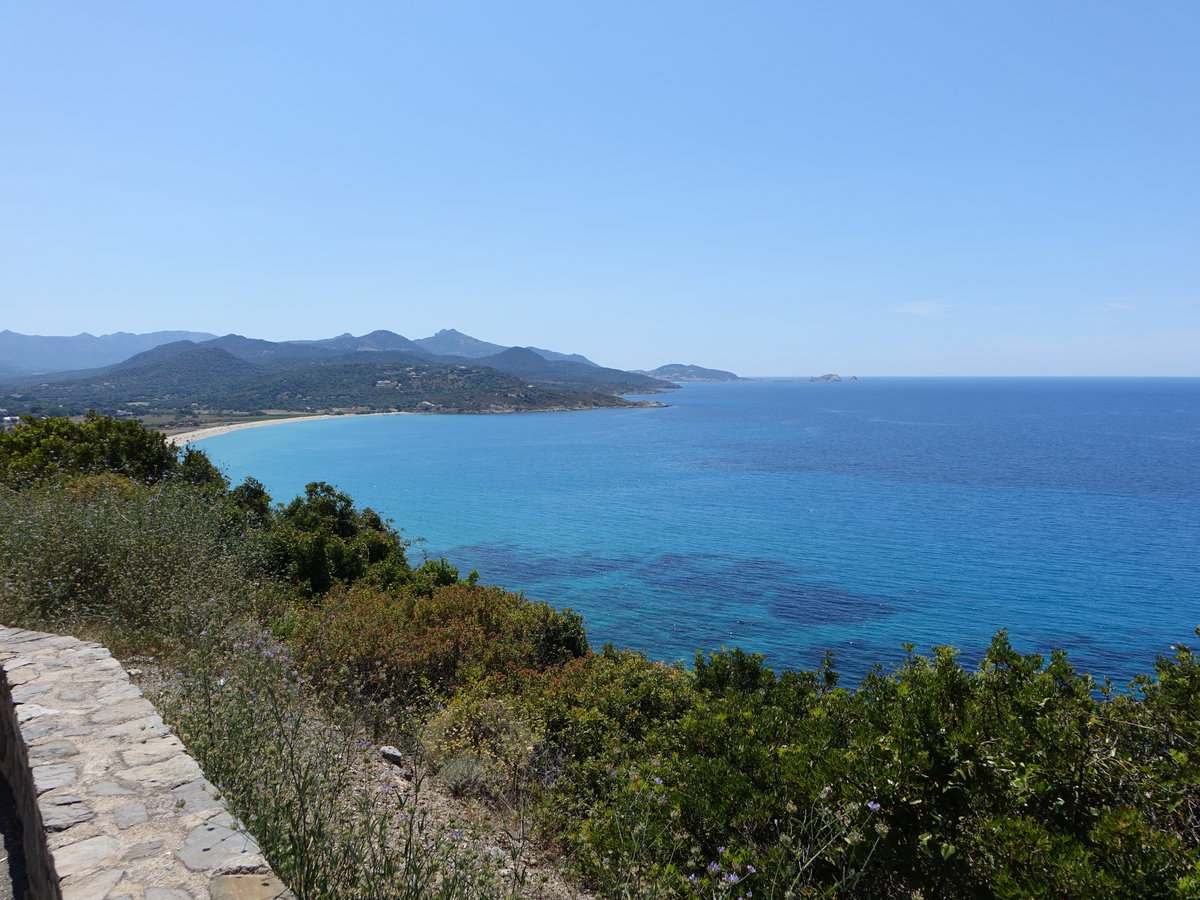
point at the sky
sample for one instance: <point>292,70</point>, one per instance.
<point>776,188</point>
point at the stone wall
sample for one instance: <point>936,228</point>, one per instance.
<point>112,806</point>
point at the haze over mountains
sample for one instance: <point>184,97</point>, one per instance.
<point>29,354</point>
<point>382,370</point>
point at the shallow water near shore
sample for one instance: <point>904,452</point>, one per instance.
<point>791,517</point>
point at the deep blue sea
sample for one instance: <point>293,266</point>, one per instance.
<point>789,517</point>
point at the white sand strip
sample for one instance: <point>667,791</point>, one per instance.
<point>184,438</point>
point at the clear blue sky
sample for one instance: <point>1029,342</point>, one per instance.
<point>781,188</point>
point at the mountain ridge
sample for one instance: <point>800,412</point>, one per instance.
<point>26,354</point>
<point>681,372</point>
<point>380,371</point>
<point>180,376</point>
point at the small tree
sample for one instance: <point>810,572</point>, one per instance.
<point>40,448</point>
<point>320,540</point>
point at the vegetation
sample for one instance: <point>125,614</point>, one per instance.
<point>213,380</point>
<point>41,448</point>
<point>379,372</point>
<point>296,629</point>
<point>679,372</point>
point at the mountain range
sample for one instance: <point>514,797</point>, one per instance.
<point>183,374</point>
<point>22,354</point>
<point>35,354</point>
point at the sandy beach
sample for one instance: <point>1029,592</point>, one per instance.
<point>184,438</point>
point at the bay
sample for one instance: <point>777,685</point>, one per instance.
<point>790,518</point>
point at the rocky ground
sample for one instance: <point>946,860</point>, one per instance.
<point>531,869</point>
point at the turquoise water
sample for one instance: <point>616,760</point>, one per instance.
<point>790,517</point>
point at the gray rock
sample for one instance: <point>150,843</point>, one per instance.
<point>21,675</point>
<point>109,789</point>
<point>169,773</point>
<point>40,729</point>
<point>64,799</point>
<point>26,692</point>
<point>130,814</point>
<point>146,725</point>
<point>83,655</point>
<point>86,855</point>
<point>142,850</point>
<point>112,693</point>
<point>27,711</point>
<point>123,711</point>
<point>392,754</point>
<point>151,751</point>
<point>21,636</point>
<point>93,886</point>
<point>44,751</point>
<point>247,887</point>
<point>246,864</point>
<point>54,775</point>
<point>60,816</point>
<point>212,846</point>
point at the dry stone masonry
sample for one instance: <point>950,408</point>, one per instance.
<point>112,807</point>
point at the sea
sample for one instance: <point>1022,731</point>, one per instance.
<point>791,518</point>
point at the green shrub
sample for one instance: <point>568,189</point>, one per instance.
<point>483,747</point>
<point>367,641</point>
<point>130,562</point>
<point>1021,778</point>
<point>297,783</point>
<point>43,448</point>
<point>321,539</point>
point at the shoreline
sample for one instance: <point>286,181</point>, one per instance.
<point>190,436</point>
<point>184,438</point>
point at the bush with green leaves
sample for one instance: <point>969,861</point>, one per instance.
<point>44,447</point>
<point>485,748</point>
<point>132,562</point>
<point>367,641</point>
<point>1018,779</point>
<point>322,539</point>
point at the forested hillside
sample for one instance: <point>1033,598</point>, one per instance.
<point>378,372</point>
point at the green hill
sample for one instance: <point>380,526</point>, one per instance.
<point>679,372</point>
<point>212,381</point>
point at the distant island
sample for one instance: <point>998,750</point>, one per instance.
<point>180,379</point>
<point>680,372</point>
<point>832,377</point>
